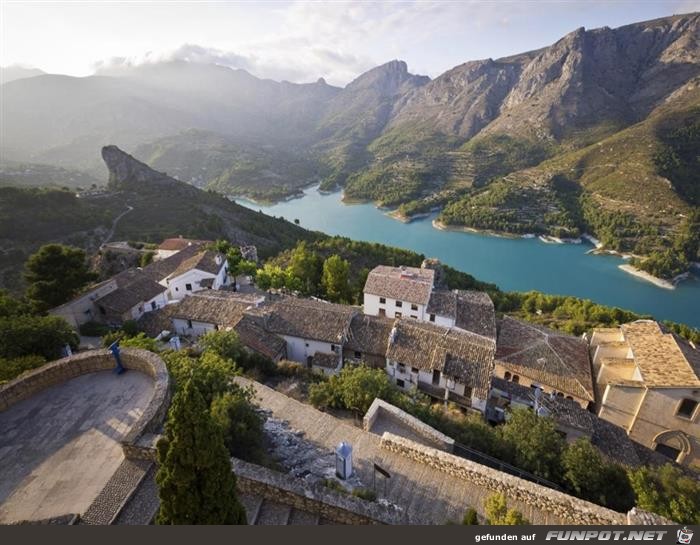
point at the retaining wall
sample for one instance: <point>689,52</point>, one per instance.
<point>335,506</point>
<point>381,408</point>
<point>140,440</point>
<point>568,508</point>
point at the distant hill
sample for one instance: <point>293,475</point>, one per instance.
<point>12,73</point>
<point>162,207</point>
<point>37,175</point>
<point>547,141</point>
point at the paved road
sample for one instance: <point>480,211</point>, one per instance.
<point>115,222</point>
<point>60,447</point>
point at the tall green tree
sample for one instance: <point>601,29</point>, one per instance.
<point>307,266</point>
<point>591,478</point>
<point>536,445</point>
<point>196,483</point>
<point>667,491</point>
<point>54,274</point>
<point>335,279</point>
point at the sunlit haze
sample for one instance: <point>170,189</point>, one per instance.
<point>297,41</point>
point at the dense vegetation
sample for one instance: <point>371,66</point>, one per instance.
<point>529,442</point>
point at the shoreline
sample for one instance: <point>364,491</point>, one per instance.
<point>463,229</point>
<point>659,282</point>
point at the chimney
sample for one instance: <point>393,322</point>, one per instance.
<point>218,259</point>
<point>392,335</point>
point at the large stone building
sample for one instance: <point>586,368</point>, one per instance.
<point>648,383</point>
<point>536,356</point>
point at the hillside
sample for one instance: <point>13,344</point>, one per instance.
<point>161,207</point>
<point>547,141</point>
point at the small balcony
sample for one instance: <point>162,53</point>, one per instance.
<point>438,392</point>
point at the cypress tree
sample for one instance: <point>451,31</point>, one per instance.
<point>197,485</point>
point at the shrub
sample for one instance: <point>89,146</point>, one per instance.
<point>354,388</point>
<point>498,514</point>
<point>470,517</point>
<point>241,424</point>
<point>365,494</point>
<point>11,368</point>
<point>93,329</point>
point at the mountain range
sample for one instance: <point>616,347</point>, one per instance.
<point>595,133</point>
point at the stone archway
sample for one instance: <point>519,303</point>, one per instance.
<point>675,439</point>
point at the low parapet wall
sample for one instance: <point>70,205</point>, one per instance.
<point>335,506</point>
<point>381,408</point>
<point>138,443</point>
<point>567,508</point>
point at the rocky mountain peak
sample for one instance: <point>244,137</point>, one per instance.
<point>128,173</point>
<point>387,79</point>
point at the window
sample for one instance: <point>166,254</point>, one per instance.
<point>382,312</point>
<point>400,383</point>
<point>382,300</point>
<point>414,369</point>
<point>516,379</point>
<point>432,317</point>
<point>414,307</point>
<point>177,289</point>
<point>189,324</point>
<point>153,305</point>
<point>358,354</point>
<point>507,375</point>
<point>216,327</point>
<point>188,287</point>
<point>333,348</point>
<point>397,315</point>
<point>687,408</point>
<point>399,304</point>
<point>414,317</point>
<point>102,310</point>
<point>306,345</point>
<point>667,451</point>
<point>402,368</point>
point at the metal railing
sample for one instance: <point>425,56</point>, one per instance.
<point>494,463</point>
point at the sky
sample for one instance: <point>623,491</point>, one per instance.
<point>298,41</point>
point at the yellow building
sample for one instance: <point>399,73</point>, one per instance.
<point>648,383</point>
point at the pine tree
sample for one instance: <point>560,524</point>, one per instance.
<point>197,485</point>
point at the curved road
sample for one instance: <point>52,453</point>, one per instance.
<point>115,222</point>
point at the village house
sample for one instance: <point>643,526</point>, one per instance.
<point>368,340</point>
<point>648,383</point>
<point>315,331</point>
<point>448,364</point>
<point>397,292</point>
<point>539,357</point>
<point>135,295</point>
<point>199,313</point>
<point>171,246</point>
<point>206,269</point>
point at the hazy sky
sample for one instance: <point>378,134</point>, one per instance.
<point>298,41</point>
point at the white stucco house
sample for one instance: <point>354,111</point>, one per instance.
<point>204,270</point>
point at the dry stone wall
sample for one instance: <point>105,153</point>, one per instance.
<point>140,440</point>
<point>567,508</point>
<point>382,409</point>
<point>334,506</point>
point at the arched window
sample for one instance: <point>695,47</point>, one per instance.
<point>569,397</point>
<point>506,376</point>
<point>516,379</point>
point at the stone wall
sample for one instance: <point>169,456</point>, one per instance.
<point>332,505</point>
<point>540,498</point>
<point>140,440</point>
<point>381,408</point>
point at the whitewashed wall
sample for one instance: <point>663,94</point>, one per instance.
<point>301,349</point>
<point>372,307</point>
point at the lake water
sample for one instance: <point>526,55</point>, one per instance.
<point>513,264</point>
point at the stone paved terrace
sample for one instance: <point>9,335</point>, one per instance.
<point>429,495</point>
<point>60,447</point>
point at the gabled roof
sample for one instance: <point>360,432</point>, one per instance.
<point>327,361</point>
<point>309,319</point>
<point>546,357</point>
<point>133,289</point>
<point>457,353</point>
<point>253,335</point>
<point>663,358</point>
<point>161,269</point>
<point>221,308</point>
<point>204,261</point>
<point>402,283</point>
<point>369,334</point>
<point>471,310</point>
<point>177,244</point>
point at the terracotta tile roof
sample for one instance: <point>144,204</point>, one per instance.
<point>546,357</point>
<point>177,244</point>
<point>134,288</point>
<point>158,270</point>
<point>403,283</point>
<point>369,334</point>
<point>663,358</point>
<point>254,336</point>
<point>152,323</point>
<point>327,361</point>
<point>204,261</point>
<point>221,308</point>
<point>309,319</point>
<point>458,353</point>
